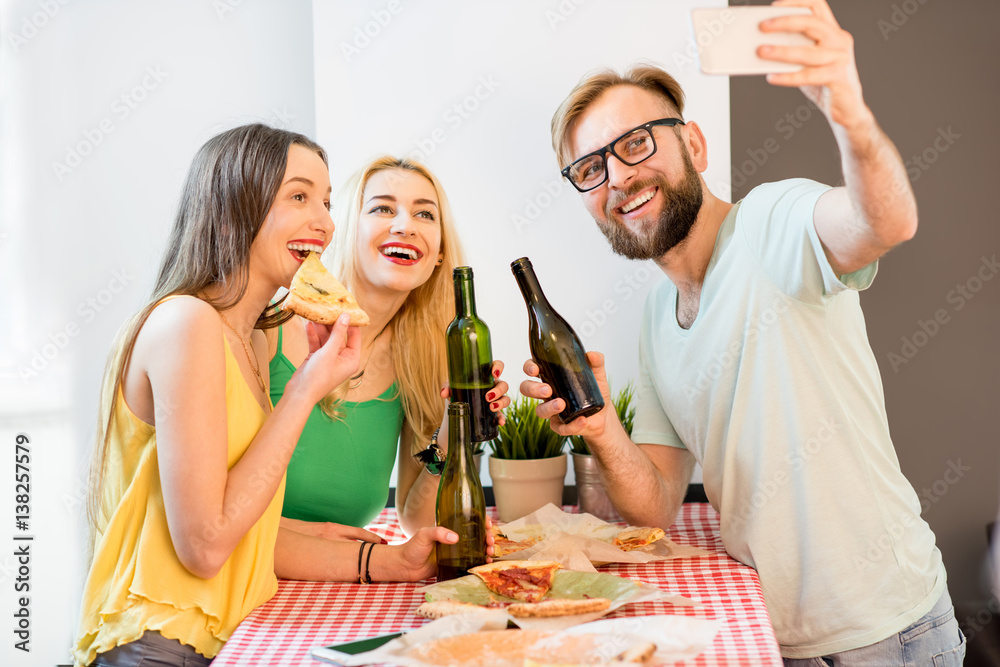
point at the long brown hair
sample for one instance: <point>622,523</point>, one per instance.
<point>419,356</point>
<point>232,182</point>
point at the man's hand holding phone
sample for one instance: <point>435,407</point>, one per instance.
<point>829,73</point>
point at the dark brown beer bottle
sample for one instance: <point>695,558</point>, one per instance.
<point>461,505</point>
<point>557,350</point>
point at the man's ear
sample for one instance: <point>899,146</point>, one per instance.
<point>697,147</point>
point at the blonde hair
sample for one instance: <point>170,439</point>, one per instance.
<point>419,356</point>
<point>647,77</point>
<point>233,180</point>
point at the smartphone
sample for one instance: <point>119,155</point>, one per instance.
<point>336,653</point>
<point>728,37</point>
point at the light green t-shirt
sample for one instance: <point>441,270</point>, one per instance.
<point>340,470</point>
<point>776,392</point>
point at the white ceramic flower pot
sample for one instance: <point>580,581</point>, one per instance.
<point>521,487</point>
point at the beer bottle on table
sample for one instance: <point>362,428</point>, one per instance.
<point>461,505</point>
<point>470,357</point>
<point>555,347</point>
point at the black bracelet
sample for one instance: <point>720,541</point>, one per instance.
<point>432,457</point>
<point>360,551</point>
<point>368,577</point>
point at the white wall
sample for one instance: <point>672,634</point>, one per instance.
<point>470,90</point>
<point>103,104</point>
<point>79,248</point>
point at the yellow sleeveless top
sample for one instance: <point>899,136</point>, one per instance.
<point>136,582</point>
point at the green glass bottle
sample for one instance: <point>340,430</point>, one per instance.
<point>461,505</point>
<point>470,357</point>
<point>555,347</point>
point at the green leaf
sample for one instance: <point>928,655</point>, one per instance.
<point>566,585</point>
<point>525,435</point>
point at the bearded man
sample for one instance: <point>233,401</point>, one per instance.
<point>755,361</point>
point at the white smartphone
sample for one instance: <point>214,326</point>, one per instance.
<point>340,654</point>
<point>728,37</point>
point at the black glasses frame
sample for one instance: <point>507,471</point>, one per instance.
<point>603,151</point>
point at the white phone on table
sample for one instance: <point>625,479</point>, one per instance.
<point>728,37</point>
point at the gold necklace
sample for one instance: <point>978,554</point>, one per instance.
<point>360,377</point>
<point>256,371</point>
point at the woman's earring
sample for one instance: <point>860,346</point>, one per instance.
<point>440,260</point>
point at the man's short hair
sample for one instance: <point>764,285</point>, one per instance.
<point>646,77</point>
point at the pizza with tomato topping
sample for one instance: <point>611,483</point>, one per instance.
<point>524,580</point>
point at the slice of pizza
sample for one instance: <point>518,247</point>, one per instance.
<point>524,580</point>
<point>503,545</point>
<point>636,537</point>
<point>316,295</point>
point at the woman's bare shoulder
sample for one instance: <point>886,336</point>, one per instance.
<point>180,321</point>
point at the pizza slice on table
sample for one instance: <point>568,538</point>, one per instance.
<point>524,580</point>
<point>637,537</point>
<point>316,295</point>
<point>503,545</point>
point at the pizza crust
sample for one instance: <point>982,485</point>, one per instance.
<point>442,608</point>
<point>550,608</point>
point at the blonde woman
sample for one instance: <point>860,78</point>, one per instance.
<point>394,247</point>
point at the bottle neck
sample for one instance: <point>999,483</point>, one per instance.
<point>465,298</point>
<point>532,292</point>
<point>459,436</point>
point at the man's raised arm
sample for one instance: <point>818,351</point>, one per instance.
<point>876,210</point>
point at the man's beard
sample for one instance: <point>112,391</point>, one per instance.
<point>680,210</point>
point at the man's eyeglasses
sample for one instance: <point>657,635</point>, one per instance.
<point>633,147</point>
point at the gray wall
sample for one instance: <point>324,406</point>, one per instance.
<point>929,72</point>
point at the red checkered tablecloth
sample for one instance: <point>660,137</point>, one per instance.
<point>303,615</point>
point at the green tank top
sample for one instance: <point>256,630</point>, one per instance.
<point>340,470</point>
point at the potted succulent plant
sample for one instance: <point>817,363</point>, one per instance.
<point>591,494</point>
<point>528,465</point>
